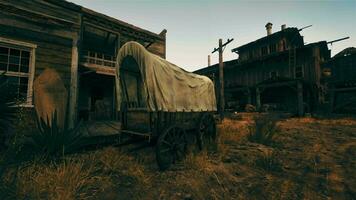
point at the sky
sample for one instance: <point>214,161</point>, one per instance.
<point>195,26</point>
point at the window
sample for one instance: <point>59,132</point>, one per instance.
<point>16,60</point>
<point>272,48</point>
<point>299,72</point>
<point>264,51</point>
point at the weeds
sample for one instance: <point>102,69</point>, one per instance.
<point>263,131</point>
<point>197,162</point>
<point>269,162</point>
<point>71,179</point>
<point>84,176</point>
<point>7,109</point>
<point>52,140</point>
<point>117,163</point>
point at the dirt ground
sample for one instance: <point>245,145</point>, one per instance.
<point>309,158</point>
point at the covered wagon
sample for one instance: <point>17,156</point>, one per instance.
<point>164,103</point>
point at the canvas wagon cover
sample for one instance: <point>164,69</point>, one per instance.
<point>169,88</point>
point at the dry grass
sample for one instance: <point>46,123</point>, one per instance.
<point>116,162</point>
<point>232,130</point>
<point>71,179</point>
<point>89,176</point>
<point>315,161</point>
<point>198,162</point>
<point>270,162</point>
<point>263,130</point>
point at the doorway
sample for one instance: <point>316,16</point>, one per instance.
<point>96,99</point>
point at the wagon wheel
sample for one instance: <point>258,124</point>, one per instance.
<point>171,147</point>
<point>207,131</point>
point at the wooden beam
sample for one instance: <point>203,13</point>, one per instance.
<point>31,76</point>
<point>221,78</point>
<point>258,99</point>
<point>300,99</point>
<point>343,89</point>
<point>148,45</point>
<point>121,31</point>
<point>73,95</point>
<point>248,93</point>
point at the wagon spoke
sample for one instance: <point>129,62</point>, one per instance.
<point>170,146</point>
<point>182,137</point>
<point>165,150</point>
<point>167,143</point>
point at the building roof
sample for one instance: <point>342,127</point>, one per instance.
<point>287,31</point>
<point>346,52</point>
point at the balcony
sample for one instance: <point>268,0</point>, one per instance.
<point>99,62</point>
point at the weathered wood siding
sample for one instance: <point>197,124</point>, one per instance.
<point>50,27</point>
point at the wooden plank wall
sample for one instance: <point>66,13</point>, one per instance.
<point>48,26</point>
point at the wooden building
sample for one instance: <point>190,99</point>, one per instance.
<point>276,72</point>
<point>339,79</point>
<point>80,44</point>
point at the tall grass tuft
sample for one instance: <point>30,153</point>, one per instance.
<point>263,130</point>
<point>52,140</point>
<point>269,162</point>
<point>121,165</point>
<point>70,179</point>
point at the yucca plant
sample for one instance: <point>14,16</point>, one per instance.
<point>263,131</point>
<point>53,140</point>
<point>7,107</point>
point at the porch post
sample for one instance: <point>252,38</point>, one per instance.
<point>116,91</point>
<point>248,93</point>
<point>300,99</point>
<point>258,99</point>
<point>73,95</point>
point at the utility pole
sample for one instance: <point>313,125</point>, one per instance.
<point>221,49</point>
<point>209,61</point>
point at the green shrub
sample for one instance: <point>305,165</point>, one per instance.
<point>263,130</point>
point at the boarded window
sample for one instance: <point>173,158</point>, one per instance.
<point>16,63</point>
<point>299,72</point>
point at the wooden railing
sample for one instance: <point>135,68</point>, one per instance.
<point>98,59</point>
